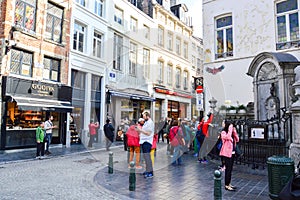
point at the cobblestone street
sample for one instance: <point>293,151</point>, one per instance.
<point>84,175</point>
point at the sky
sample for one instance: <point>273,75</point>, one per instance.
<point>195,11</point>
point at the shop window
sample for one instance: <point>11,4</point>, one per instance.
<point>51,69</point>
<point>79,37</point>
<point>98,10</point>
<point>287,18</point>
<point>97,45</point>
<point>25,14</point>
<point>126,109</point>
<point>118,51</point>
<point>224,40</point>
<point>19,119</point>
<point>95,97</point>
<point>54,22</point>
<point>21,62</point>
<point>78,98</point>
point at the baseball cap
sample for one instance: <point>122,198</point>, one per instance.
<point>141,119</point>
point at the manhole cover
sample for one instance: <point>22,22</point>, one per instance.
<point>87,161</point>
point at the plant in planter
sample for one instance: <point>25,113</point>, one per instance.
<point>231,109</point>
<point>241,109</point>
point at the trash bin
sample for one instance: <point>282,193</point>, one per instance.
<point>280,170</point>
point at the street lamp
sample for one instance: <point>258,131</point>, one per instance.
<point>213,103</point>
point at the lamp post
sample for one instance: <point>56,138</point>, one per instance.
<point>213,104</point>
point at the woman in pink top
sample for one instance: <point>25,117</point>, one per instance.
<point>229,139</point>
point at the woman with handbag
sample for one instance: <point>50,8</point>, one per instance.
<point>229,138</point>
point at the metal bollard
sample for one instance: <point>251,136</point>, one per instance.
<point>217,185</point>
<point>110,163</point>
<point>132,178</point>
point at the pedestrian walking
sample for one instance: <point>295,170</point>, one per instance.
<point>177,142</point>
<point>49,130</point>
<point>92,131</point>
<point>109,133</point>
<point>40,145</point>
<point>146,139</point>
<point>169,146</point>
<point>229,140</point>
<point>133,143</point>
<point>202,134</point>
<point>161,129</point>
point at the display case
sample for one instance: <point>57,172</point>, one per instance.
<point>75,139</point>
<point>20,119</point>
<point>30,119</point>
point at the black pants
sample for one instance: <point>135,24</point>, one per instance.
<point>161,134</point>
<point>228,168</point>
<point>125,142</point>
<point>40,149</point>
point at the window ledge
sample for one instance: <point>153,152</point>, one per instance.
<point>288,45</point>
<point>56,43</point>
<point>223,55</point>
<point>24,31</point>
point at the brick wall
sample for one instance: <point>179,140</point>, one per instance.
<point>35,42</point>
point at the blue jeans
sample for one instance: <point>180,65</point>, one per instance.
<point>146,147</point>
<point>177,155</point>
<point>49,138</point>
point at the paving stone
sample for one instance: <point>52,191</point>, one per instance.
<point>80,173</point>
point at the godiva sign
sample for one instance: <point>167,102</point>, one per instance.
<point>42,89</point>
<point>13,86</point>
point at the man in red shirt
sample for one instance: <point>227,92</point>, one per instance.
<point>93,130</point>
<point>201,135</point>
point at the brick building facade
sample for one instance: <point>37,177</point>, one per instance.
<point>34,56</point>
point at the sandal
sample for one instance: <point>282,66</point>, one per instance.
<point>229,188</point>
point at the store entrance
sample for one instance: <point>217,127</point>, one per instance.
<point>59,133</point>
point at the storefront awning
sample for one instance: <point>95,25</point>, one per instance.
<point>24,103</point>
<point>131,96</point>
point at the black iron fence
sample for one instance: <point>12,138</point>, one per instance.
<point>261,139</point>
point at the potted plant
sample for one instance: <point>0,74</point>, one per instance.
<point>231,109</point>
<point>241,109</point>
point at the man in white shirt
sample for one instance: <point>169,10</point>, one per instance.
<point>48,129</point>
<point>146,139</point>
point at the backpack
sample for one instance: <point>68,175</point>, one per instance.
<point>176,138</point>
